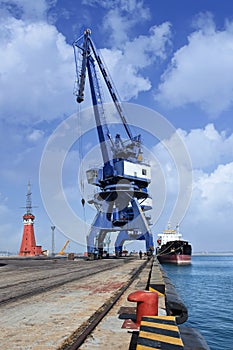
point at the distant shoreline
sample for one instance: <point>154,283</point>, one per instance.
<point>213,254</point>
<point>15,255</point>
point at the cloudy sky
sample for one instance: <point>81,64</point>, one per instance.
<point>173,57</point>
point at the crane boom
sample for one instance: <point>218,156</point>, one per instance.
<point>62,251</point>
<point>89,55</point>
<point>111,90</point>
<point>86,48</point>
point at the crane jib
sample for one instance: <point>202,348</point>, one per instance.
<point>102,128</point>
<point>89,60</point>
<point>111,90</point>
<point>87,49</point>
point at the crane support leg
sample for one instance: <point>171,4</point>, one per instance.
<point>96,235</point>
<point>139,224</point>
<point>121,238</point>
<point>142,224</point>
<point>137,229</point>
<point>101,238</point>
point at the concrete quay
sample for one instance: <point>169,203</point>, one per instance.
<point>48,320</point>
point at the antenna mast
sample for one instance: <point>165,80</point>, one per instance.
<point>29,199</point>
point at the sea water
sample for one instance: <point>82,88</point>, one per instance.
<point>206,287</point>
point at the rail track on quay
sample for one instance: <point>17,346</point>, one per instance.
<point>50,279</point>
<point>33,283</point>
<point>86,329</point>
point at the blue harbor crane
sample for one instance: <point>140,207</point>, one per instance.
<point>122,197</point>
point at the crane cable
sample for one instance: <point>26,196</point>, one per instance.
<point>80,152</point>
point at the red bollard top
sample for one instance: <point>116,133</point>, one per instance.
<point>142,296</point>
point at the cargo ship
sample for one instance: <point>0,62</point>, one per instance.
<point>172,248</point>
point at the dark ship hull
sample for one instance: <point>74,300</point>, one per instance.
<point>175,252</point>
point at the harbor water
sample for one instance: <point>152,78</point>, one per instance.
<point>206,287</point>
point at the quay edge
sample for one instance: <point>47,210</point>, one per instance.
<point>191,338</point>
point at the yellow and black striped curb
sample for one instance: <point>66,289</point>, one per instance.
<point>159,332</point>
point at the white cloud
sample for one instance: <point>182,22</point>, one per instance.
<point>36,71</point>
<point>122,16</point>
<point>37,65</point>
<point>35,135</point>
<point>209,220</point>
<point>27,9</point>
<point>215,189</point>
<point>126,56</point>
<point>126,65</point>
<point>201,72</point>
<point>211,206</point>
<point>208,147</point>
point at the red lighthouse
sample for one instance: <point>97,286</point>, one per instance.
<point>28,245</point>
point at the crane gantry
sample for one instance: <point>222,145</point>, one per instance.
<point>122,198</point>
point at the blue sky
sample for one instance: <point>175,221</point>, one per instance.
<point>174,57</point>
